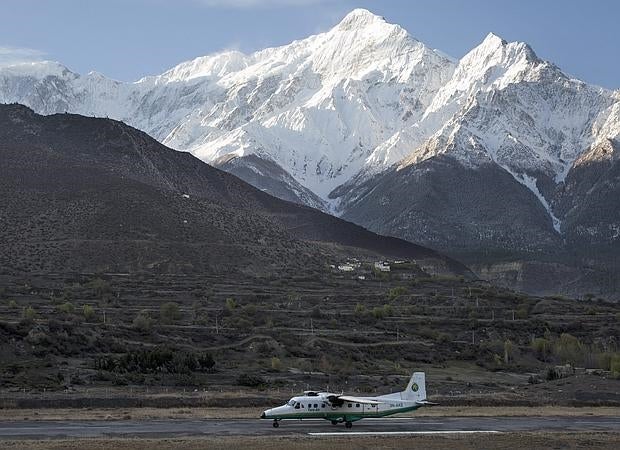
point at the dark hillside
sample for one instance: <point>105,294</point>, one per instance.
<point>83,194</point>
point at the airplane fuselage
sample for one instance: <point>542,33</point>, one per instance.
<point>319,407</point>
<point>348,408</point>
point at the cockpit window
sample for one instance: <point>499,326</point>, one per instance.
<point>291,402</point>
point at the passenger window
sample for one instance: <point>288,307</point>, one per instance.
<point>316,406</point>
<point>357,405</point>
<point>296,405</point>
<point>322,405</point>
<point>350,405</point>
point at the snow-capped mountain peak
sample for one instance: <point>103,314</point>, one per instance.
<point>345,104</point>
<point>360,18</point>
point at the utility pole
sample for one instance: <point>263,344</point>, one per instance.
<point>473,337</point>
<point>217,330</point>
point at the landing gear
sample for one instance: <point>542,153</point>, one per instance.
<point>335,422</point>
<point>348,424</point>
<point>276,424</point>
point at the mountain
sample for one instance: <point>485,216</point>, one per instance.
<point>491,158</point>
<point>504,178</point>
<point>80,194</point>
<point>318,110</point>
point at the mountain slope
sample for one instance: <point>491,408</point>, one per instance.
<point>82,194</point>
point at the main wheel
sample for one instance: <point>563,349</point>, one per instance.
<point>348,424</point>
<point>335,422</point>
<point>276,424</point>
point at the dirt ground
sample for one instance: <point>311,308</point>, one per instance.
<point>494,441</point>
<point>244,413</point>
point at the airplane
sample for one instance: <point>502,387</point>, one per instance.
<point>339,408</point>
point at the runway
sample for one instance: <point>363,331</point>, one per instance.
<point>316,428</point>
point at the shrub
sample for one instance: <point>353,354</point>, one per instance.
<point>169,313</point>
<point>521,312</point>
<point>568,348</point>
<point>230,305</point>
<point>12,304</point>
<point>249,310</point>
<point>542,348</point>
<point>250,380</point>
<point>143,322</point>
<point>157,360</point>
<point>316,312</point>
<point>66,308</point>
<point>614,366</point>
<point>396,292</point>
<point>380,312</point>
<point>276,364</point>
<point>360,310</point>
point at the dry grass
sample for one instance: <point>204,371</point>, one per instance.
<point>249,413</point>
<point>495,441</point>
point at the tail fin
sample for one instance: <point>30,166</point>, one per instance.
<point>416,389</point>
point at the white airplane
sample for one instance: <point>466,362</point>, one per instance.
<point>345,408</point>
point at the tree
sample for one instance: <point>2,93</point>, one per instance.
<point>88,312</point>
<point>508,350</point>
<point>100,287</point>
<point>316,312</point>
<point>169,313</point>
<point>360,310</point>
<point>29,314</point>
<point>542,348</point>
<point>231,304</point>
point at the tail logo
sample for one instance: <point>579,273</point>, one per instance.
<point>414,387</point>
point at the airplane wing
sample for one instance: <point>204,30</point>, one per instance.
<point>348,398</point>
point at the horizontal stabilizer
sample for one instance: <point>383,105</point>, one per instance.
<point>426,403</point>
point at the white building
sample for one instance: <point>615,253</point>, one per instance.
<point>382,266</point>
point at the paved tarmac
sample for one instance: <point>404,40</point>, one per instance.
<point>255,427</point>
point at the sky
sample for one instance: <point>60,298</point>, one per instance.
<point>129,39</point>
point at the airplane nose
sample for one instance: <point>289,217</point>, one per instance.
<point>262,416</point>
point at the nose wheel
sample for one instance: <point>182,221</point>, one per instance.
<point>275,424</point>
<point>348,424</point>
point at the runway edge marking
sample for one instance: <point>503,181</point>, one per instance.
<point>395,433</point>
